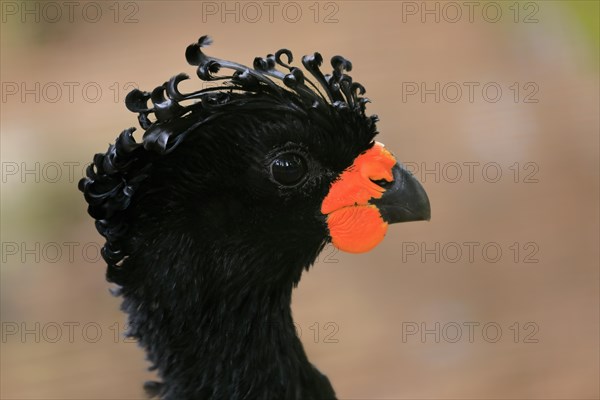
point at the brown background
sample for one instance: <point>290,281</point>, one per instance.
<point>369,299</point>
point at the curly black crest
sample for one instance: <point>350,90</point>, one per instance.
<point>113,177</point>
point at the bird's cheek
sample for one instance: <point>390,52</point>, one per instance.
<point>356,229</point>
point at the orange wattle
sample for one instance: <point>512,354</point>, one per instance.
<point>355,226</point>
<point>356,229</point>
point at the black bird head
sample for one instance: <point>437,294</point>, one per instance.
<point>232,191</point>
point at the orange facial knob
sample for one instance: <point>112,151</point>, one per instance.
<point>355,185</point>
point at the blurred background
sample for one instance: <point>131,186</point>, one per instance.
<point>493,105</point>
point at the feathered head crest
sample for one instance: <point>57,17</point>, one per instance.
<point>337,90</point>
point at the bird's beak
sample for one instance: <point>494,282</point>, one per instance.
<point>405,200</point>
<point>370,194</point>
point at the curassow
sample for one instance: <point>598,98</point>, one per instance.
<point>231,193</point>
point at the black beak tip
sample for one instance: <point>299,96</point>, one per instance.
<point>420,202</point>
<point>405,201</point>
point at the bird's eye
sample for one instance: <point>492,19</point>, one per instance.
<point>288,169</point>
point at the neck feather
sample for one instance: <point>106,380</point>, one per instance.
<point>214,336</point>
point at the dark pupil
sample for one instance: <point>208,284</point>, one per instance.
<point>288,169</point>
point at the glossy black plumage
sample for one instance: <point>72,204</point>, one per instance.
<point>204,244</point>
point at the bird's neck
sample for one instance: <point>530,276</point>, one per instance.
<point>215,339</point>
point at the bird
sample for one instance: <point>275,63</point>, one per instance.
<point>233,190</point>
